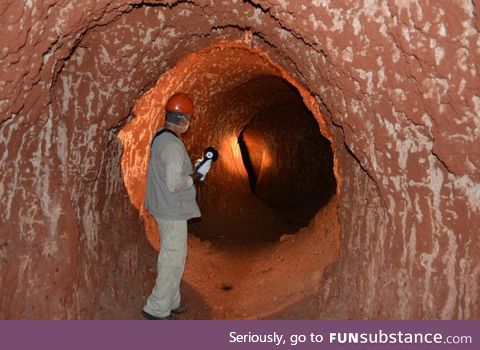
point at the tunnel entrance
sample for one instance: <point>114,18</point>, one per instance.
<point>269,203</point>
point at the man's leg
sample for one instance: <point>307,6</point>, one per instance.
<point>170,265</point>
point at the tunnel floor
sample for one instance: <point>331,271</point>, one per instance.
<point>277,280</point>
<point>258,226</point>
<point>266,280</point>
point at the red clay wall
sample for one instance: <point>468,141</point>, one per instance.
<point>398,83</point>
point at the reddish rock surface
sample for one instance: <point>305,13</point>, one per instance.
<point>398,86</point>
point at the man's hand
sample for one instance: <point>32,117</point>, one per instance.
<point>196,178</point>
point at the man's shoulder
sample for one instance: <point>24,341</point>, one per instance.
<point>165,137</point>
<point>168,144</point>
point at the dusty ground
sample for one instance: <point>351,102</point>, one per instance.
<point>230,279</point>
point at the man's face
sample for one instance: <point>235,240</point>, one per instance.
<point>184,123</point>
<point>180,121</point>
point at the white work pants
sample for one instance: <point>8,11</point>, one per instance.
<point>170,265</point>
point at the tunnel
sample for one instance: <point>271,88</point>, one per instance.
<point>267,197</point>
<point>276,168</point>
<point>348,179</point>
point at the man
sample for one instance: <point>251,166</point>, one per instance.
<point>170,198</point>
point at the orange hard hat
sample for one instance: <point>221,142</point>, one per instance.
<point>180,102</point>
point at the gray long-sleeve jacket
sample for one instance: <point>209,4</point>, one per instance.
<point>170,192</point>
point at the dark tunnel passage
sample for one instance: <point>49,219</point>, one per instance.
<point>301,176</point>
<point>288,161</point>
<point>287,166</point>
<point>270,197</point>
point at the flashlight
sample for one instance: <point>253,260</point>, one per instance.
<point>210,153</point>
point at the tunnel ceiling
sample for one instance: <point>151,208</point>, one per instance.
<point>397,83</point>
